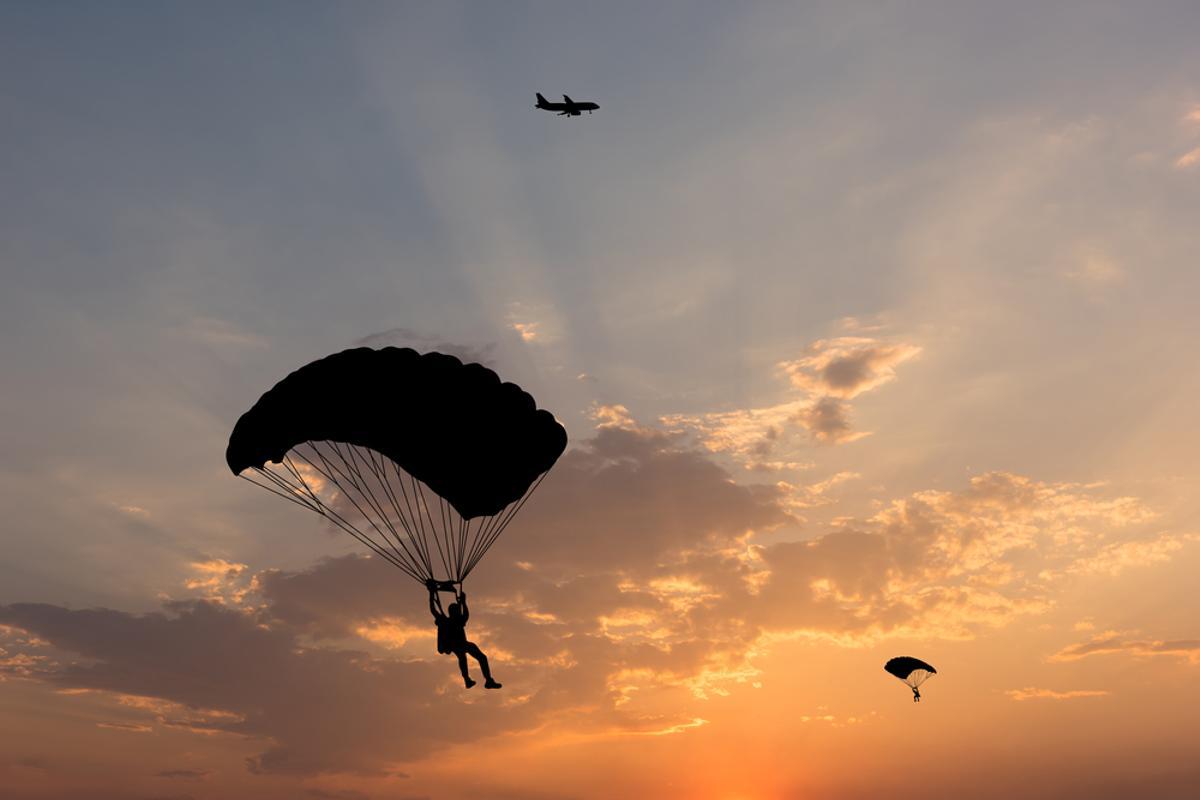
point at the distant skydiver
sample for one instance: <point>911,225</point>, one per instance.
<point>913,671</point>
<point>567,108</point>
<point>452,635</point>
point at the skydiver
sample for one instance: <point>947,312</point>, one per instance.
<point>452,635</point>
<point>916,695</point>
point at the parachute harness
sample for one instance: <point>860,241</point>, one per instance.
<point>400,522</point>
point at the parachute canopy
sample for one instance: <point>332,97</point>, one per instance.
<point>362,436</point>
<point>478,443</point>
<point>912,671</point>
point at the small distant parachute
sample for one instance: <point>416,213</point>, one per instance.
<point>913,671</point>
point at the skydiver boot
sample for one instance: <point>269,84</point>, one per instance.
<point>488,683</point>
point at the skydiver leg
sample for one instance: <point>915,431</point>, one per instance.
<point>462,667</point>
<point>477,654</point>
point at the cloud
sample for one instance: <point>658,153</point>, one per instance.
<point>803,496</point>
<point>943,563</point>
<point>125,726</point>
<point>221,333</point>
<point>848,366</point>
<point>322,709</point>
<point>832,372</point>
<point>219,580</point>
<point>1188,159</point>
<point>751,434</point>
<point>406,337</point>
<point>1033,693</point>
<point>633,585</point>
<point>184,774</point>
<point>1116,643</point>
<point>133,511</point>
<point>612,416</point>
<point>630,498</point>
<point>673,729</point>
<point>1116,557</point>
<point>828,421</point>
<point>528,331</point>
<point>621,504</point>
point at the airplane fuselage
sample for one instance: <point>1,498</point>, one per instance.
<point>567,108</point>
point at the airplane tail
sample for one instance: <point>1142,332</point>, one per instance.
<point>568,100</point>
<point>541,100</point>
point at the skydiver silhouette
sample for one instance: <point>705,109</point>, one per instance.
<point>916,695</point>
<point>452,635</point>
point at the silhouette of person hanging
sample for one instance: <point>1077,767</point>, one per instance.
<point>916,695</point>
<point>452,635</point>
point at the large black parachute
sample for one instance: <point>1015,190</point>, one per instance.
<point>912,671</point>
<point>423,458</point>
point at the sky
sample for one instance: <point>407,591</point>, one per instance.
<point>872,327</point>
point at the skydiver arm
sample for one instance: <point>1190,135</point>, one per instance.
<point>433,605</point>
<point>462,603</point>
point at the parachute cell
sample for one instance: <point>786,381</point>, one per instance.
<point>421,457</point>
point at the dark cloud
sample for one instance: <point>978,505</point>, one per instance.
<point>626,498</point>
<point>329,599</point>
<point>184,774</point>
<point>827,420</point>
<point>325,709</point>
<point>848,373</point>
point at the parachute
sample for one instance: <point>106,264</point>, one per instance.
<point>420,457</point>
<point>913,671</point>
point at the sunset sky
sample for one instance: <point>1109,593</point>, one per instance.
<point>873,327</point>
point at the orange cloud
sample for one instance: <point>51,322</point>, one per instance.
<point>1116,643</point>
<point>848,366</point>
<point>1033,693</point>
<point>527,330</point>
<point>220,581</point>
<point>1114,558</point>
<point>834,372</point>
<point>612,416</point>
<point>1188,159</point>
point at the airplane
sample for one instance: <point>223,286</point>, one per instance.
<point>567,108</point>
